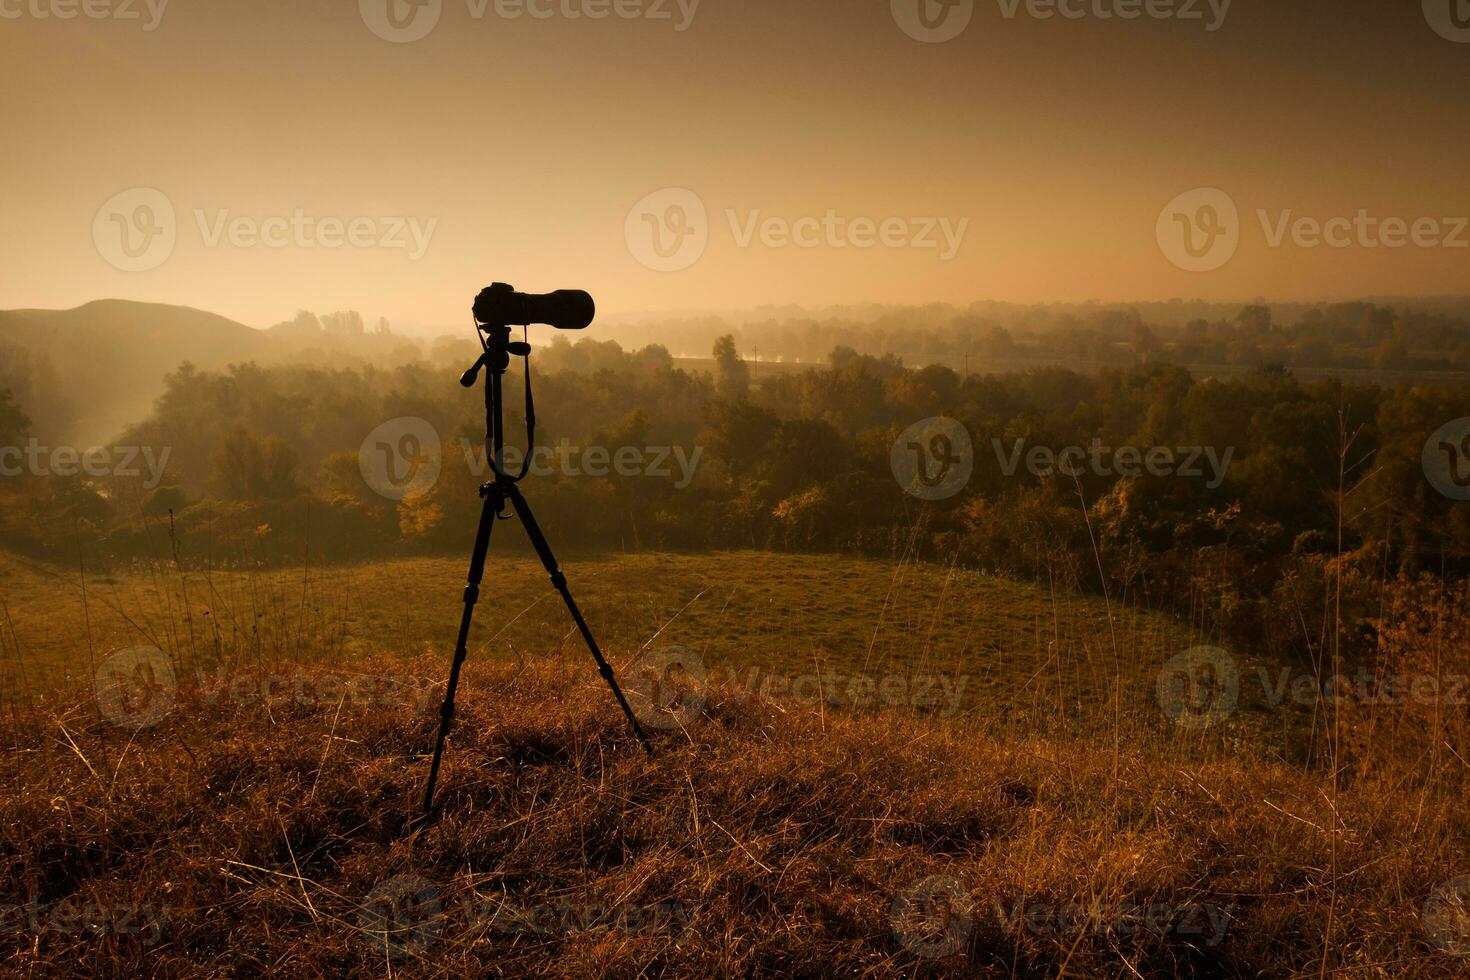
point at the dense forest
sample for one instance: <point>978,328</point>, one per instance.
<point>267,464</point>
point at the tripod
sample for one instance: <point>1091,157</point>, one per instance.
<point>499,492</point>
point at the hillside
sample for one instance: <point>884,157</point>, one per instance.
<point>109,357</point>
<point>246,792</point>
<point>762,839</point>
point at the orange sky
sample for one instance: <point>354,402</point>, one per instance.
<point>516,148</point>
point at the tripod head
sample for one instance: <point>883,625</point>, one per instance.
<point>498,351</point>
<point>496,310</point>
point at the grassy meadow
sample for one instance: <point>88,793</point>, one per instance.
<point>1015,653</point>
<point>1055,823</point>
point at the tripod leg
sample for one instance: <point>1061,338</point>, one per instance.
<point>559,580</point>
<point>493,500</point>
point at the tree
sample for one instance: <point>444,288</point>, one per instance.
<point>13,422</point>
<point>248,468</point>
<point>732,375</point>
<point>804,452</point>
<point>1391,355</point>
<point>740,434</point>
<point>1255,320</point>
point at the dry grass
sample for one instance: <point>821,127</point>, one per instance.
<point>1073,832</point>
<point>763,840</point>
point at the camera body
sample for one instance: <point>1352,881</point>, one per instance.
<point>499,305</point>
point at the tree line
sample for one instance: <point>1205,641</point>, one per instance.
<point>267,465</point>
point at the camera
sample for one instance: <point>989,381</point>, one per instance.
<point>501,306</point>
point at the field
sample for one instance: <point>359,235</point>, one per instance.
<point>1013,653</point>
<point>1052,823</point>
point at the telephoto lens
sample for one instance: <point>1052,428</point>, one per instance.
<point>566,309</point>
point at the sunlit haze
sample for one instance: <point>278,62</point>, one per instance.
<point>1027,159</point>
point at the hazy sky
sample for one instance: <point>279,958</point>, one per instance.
<point>307,162</point>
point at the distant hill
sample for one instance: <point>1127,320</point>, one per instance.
<point>84,373</point>
<point>81,376</point>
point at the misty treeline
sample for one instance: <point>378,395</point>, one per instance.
<point>1273,481</point>
<point>1341,337</point>
<point>84,374</point>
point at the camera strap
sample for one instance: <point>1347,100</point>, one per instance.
<point>530,407</point>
